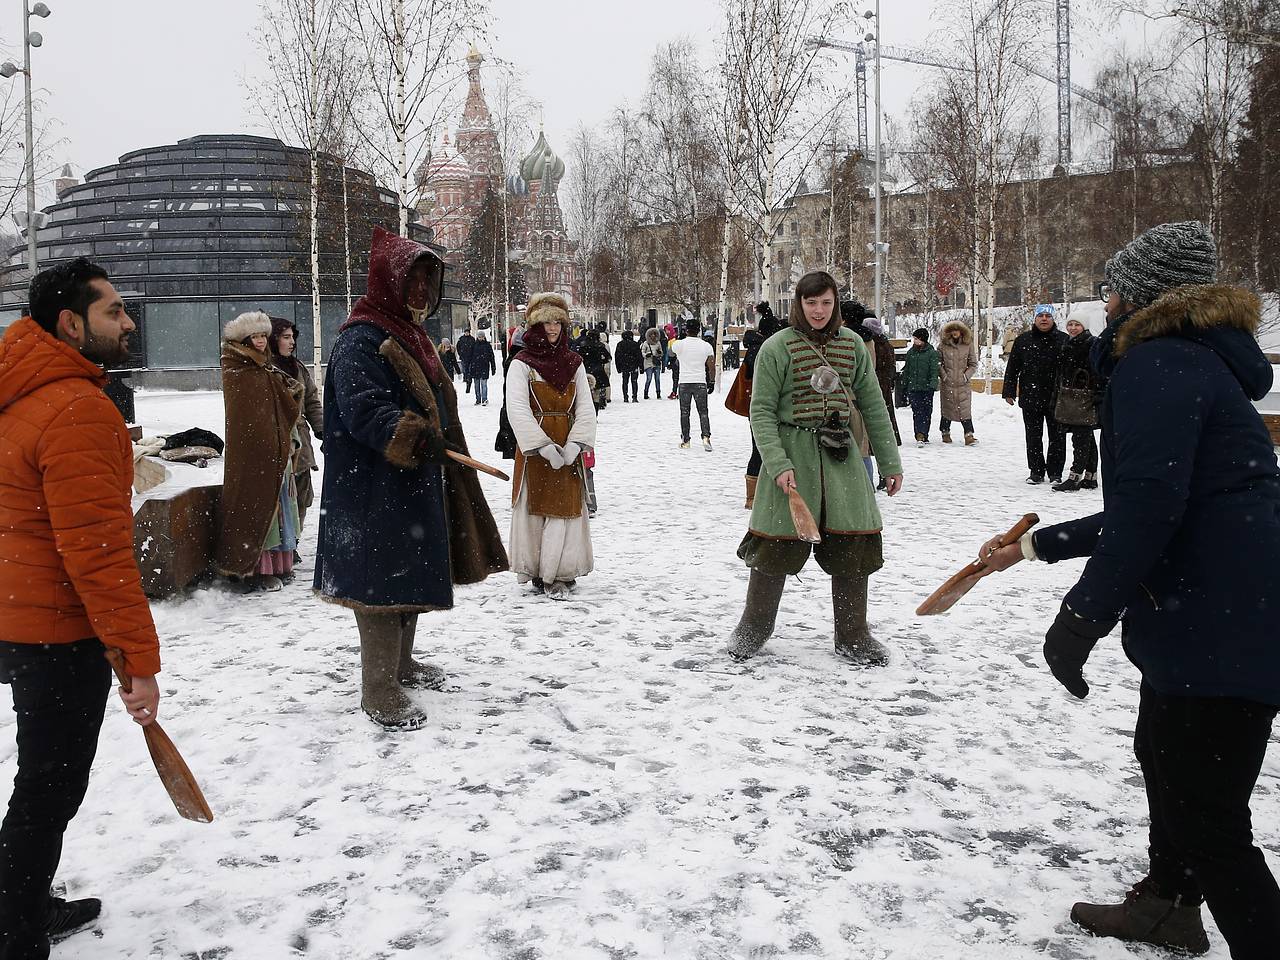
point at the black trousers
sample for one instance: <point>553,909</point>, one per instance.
<point>1200,758</point>
<point>756,461</point>
<point>693,393</point>
<point>59,694</point>
<point>1084,450</point>
<point>630,378</point>
<point>1033,422</point>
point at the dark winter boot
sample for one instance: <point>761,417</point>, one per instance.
<point>380,694</point>
<point>1089,481</point>
<point>853,639</point>
<point>70,916</point>
<point>1146,917</point>
<point>764,593</point>
<point>414,673</point>
<point>1069,485</point>
<point>751,492</point>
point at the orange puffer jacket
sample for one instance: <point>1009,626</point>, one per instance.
<point>67,570</point>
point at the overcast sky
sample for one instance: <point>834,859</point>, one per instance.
<point>126,74</point>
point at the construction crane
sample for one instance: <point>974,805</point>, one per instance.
<point>1062,79</point>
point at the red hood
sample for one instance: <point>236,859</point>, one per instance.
<point>30,358</point>
<point>391,257</point>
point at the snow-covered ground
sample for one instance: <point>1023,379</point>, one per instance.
<point>602,782</point>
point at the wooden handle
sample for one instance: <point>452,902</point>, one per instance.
<point>1016,532</point>
<point>116,659</point>
<point>802,517</point>
<point>466,461</point>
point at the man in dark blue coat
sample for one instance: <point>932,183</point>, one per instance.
<point>400,522</point>
<point>1185,554</point>
<point>1031,379</point>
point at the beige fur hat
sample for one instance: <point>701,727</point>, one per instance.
<point>246,325</point>
<point>546,308</point>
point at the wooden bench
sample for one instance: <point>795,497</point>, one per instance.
<point>1272,420</point>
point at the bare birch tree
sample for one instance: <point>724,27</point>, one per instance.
<point>304,99</point>
<point>786,99</point>
<point>414,57</point>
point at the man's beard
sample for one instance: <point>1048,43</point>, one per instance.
<point>107,352</point>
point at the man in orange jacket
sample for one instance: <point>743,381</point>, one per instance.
<point>69,585</point>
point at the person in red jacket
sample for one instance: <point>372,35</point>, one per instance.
<point>69,585</point>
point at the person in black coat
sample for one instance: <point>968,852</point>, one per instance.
<point>1031,379</point>
<point>767,324</point>
<point>628,361</point>
<point>481,364</point>
<point>596,360</point>
<point>463,348</point>
<point>1184,554</point>
<point>1075,372</point>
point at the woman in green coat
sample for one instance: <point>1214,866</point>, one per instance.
<point>805,379</point>
<point>921,375</point>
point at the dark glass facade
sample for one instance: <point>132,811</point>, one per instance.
<point>201,230</point>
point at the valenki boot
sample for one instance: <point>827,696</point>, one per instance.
<point>764,593</point>
<point>751,492</point>
<point>414,673</point>
<point>380,695</point>
<point>853,639</point>
<point>1146,917</point>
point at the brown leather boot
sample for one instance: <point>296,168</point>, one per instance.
<point>764,593</point>
<point>853,638</point>
<point>1146,917</point>
<point>380,695</point>
<point>415,673</point>
<point>751,492</point>
<point>970,439</point>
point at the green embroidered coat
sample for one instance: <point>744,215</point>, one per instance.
<point>785,410</point>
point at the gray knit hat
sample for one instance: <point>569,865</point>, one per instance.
<point>1170,255</point>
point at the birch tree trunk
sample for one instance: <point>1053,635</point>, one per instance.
<point>401,121</point>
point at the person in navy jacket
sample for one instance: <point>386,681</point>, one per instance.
<point>1186,556</point>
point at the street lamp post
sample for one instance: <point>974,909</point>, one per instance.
<point>30,38</point>
<point>879,180</point>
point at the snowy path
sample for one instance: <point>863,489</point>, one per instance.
<point>604,783</point>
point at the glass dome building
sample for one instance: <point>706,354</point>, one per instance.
<point>196,232</point>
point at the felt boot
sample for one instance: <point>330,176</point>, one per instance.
<point>1146,917</point>
<point>764,593</point>
<point>751,492</point>
<point>380,695</point>
<point>414,673</point>
<point>853,639</point>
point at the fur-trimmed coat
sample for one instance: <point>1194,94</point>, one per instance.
<point>262,406</point>
<point>958,363</point>
<point>397,531</point>
<point>1188,543</point>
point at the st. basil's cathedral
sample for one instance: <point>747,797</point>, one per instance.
<point>452,184</point>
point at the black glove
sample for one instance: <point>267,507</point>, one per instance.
<point>433,447</point>
<point>1067,646</point>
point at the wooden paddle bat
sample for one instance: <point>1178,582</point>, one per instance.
<point>174,773</point>
<point>945,597</point>
<point>466,461</point>
<point>806,526</point>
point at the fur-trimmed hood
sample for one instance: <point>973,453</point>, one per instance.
<point>1221,317</point>
<point>246,325</point>
<point>546,308</point>
<point>966,335</point>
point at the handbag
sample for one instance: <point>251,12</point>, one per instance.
<point>738,399</point>
<point>1074,406</point>
<point>900,398</point>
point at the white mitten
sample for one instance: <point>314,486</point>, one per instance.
<point>570,451</point>
<point>553,455</point>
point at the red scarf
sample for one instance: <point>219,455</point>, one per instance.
<point>555,362</point>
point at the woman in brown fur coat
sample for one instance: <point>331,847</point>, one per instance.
<point>959,362</point>
<point>259,500</point>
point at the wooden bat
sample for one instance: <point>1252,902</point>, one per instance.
<point>174,773</point>
<point>806,526</point>
<point>466,461</point>
<point>945,597</point>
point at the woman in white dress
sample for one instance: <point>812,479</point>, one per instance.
<point>551,413</point>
